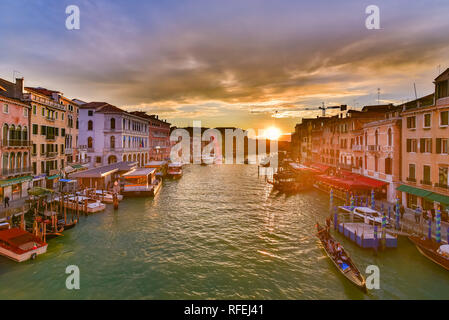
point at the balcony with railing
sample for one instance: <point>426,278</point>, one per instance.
<point>50,154</point>
<point>357,147</point>
<point>426,182</point>
<point>16,143</point>
<point>6,172</point>
<point>373,148</point>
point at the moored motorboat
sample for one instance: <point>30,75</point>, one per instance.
<point>175,170</point>
<point>341,260</point>
<point>432,250</point>
<point>104,196</point>
<point>20,245</point>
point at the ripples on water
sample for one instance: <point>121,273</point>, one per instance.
<point>221,233</point>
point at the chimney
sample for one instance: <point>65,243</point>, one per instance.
<point>18,88</point>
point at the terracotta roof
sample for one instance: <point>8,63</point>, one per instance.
<point>42,91</point>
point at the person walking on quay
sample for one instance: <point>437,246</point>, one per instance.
<point>418,212</point>
<point>402,210</point>
<point>6,201</point>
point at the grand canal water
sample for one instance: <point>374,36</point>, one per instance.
<point>219,233</point>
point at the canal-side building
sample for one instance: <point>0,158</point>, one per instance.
<point>48,125</point>
<point>380,155</point>
<point>70,132</point>
<point>110,134</point>
<point>15,174</point>
<point>425,152</point>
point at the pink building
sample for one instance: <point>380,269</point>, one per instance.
<point>382,152</point>
<point>15,149</point>
<point>425,153</point>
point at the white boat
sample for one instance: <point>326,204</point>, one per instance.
<point>83,203</point>
<point>175,170</point>
<point>366,213</point>
<point>141,182</point>
<point>102,195</point>
<point>20,245</point>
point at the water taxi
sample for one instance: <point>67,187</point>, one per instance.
<point>20,245</point>
<point>141,182</point>
<point>82,203</point>
<point>175,170</point>
<point>367,214</point>
<point>104,196</point>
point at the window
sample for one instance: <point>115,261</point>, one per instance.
<point>42,148</point>
<point>442,177</point>
<point>35,129</point>
<point>62,132</point>
<point>90,113</point>
<point>34,168</point>
<point>411,172</point>
<point>390,137</point>
<point>425,145</point>
<point>442,145</point>
<point>376,164</point>
<point>411,122</point>
<point>376,138</point>
<point>34,109</point>
<point>442,89</point>
<point>43,130</point>
<point>25,112</point>
<point>388,166</point>
<point>98,159</point>
<point>444,121</point>
<point>426,175</point>
<point>90,125</point>
<point>113,123</point>
<point>112,142</point>
<point>412,145</point>
<point>62,148</point>
<point>5,108</point>
<point>43,112</point>
<point>89,142</point>
<point>427,120</point>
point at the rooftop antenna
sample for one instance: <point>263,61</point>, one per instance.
<point>378,95</point>
<point>416,95</point>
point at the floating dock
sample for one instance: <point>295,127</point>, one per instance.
<point>363,235</point>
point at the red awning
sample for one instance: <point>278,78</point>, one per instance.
<point>320,167</point>
<point>347,184</point>
<point>372,183</point>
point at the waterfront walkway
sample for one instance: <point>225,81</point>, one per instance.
<point>15,207</point>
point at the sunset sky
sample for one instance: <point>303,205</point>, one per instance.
<point>227,63</point>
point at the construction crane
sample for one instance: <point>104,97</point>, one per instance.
<point>323,108</point>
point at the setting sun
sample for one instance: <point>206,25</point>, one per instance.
<point>272,133</point>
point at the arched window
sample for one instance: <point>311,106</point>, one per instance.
<point>5,161</point>
<point>129,157</point>
<point>25,134</point>
<point>112,142</point>
<point>90,142</point>
<point>12,132</point>
<point>5,133</point>
<point>12,161</point>
<point>376,138</point>
<point>112,123</point>
<point>19,160</point>
<point>18,133</point>
<point>390,137</point>
<point>124,156</point>
<point>90,125</point>
<point>25,160</point>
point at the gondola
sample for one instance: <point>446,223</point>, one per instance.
<point>346,267</point>
<point>433,251</point>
